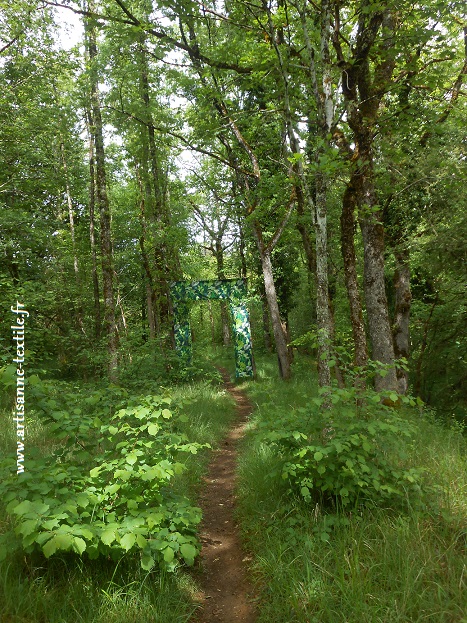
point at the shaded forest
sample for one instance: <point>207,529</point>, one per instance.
<point>316,150</point>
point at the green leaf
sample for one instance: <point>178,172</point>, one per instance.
<point>79,545</point>
<point>318,456</point>
<point>127,541</point>
<point>59,541</point>
<point>108,536</point>
<point>168,554</point>
<point>188,552</point>
<point>30,539</point>
<point>124,474</point>
<point>28,526</point>
<point>39,508</point>
<point>82,500</point>
<point>141,541</point>
<point>23,508</point>
<point>154,519</point>
<point>153,429</point>
<point>147,562</point>
<point>166,414</point>
<point>142,413</point>
<point>83,531</point>
<point>131,458</point>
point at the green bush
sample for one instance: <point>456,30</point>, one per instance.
<point>105,488</point>
<point>348,448</point>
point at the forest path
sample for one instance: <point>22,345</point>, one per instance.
<point>226,593</point>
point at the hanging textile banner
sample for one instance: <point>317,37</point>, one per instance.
<point>232,290</point>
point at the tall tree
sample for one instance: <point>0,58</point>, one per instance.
<point>110,325</point>
<point>364,85</point>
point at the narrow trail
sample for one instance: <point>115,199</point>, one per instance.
<point>226,594</point>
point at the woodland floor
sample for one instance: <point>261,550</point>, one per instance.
<point>226,595</point>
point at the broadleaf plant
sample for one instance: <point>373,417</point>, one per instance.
<point>106,488</point>
<point>350,454</point>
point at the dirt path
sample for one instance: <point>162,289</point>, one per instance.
<point>226,594</point>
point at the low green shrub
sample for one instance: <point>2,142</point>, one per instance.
<point>104,490</point>
<point>348,448</point>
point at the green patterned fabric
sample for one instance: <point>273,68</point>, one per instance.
<point>232,290</point>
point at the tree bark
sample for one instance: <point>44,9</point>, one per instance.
<point>71,221</point>
<point>379,325</point>
<point>71,218</point>
<point>322,285</point>
<point>303,229</point>
<point>241,250</point>
<point>402,315</point>
<point>219,253</point>
<point>349,204</point>
<point>271,296</point>
<point>92,233</point>
<point>266,324</point>
<point>110,326</point>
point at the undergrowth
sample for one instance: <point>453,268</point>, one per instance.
<point>365,554</point>
<point>143,448</point>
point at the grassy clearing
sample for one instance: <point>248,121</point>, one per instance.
<point>67,589</point>
<point>385,566</point>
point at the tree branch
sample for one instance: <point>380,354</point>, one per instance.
<point>278,233</point>
<point>456,90</point>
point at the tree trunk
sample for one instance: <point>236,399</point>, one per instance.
<point>363,91</point>
<point>151,303</point>
<point>402,315</point>
<point>241,250</point>
<point>110,326</point>
<point>322,302</point>
<point>324,118</point>
<point>349,203</point>
<point>271,296</point>
<point>71,219</point>
<point>379,326</point>
<point>219,253</point>
<point>266,324</point>
<point>303,229</point>
<point>92,233</point>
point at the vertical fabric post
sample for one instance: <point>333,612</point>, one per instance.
<point>242,340</point>
<point>182,332</point>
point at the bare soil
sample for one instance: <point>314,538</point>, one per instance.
<point>226,595</point>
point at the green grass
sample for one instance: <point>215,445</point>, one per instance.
<point>67,589</point>
<point>385,566</point>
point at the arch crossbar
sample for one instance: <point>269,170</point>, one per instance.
<point>232,290</point>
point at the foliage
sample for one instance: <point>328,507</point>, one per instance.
<point>104,489</point>
<point>353,453</point>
